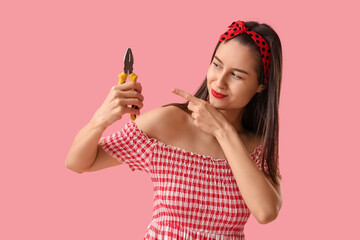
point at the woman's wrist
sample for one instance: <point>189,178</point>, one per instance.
<point>224,131</point>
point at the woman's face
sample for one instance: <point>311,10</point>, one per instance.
<point>232,73</point>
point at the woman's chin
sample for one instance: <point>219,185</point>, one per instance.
<point>217,101</point>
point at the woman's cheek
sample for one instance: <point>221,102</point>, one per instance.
<point>210,74</point>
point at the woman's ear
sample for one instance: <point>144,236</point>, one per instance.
<point>261,88</point>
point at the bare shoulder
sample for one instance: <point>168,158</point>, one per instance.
<point>251,141</point>
<point>161,123</point>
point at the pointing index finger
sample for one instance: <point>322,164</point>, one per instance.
<point>185,95</point>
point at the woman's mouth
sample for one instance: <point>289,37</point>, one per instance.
<point>216,94</point>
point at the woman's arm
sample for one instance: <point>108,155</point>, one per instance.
<point>261,195</point>
<point>84,148</point>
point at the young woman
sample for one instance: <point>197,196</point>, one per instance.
<point>213,160</point>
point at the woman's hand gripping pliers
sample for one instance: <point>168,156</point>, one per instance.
<point>128,71</point>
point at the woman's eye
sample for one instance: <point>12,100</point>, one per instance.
<point>237,76</point>
<point>215,64</point>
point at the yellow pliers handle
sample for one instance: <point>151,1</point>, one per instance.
<point>122,79</point>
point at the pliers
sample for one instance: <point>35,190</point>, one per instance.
<point>128,71</point>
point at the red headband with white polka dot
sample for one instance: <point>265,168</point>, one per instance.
<point>237,28</point>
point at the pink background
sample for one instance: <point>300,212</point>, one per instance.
<point>59,61</point>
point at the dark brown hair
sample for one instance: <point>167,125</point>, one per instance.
<point>261,114</point>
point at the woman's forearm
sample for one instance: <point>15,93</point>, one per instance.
<point>258,193</point>
<point>84,148</point>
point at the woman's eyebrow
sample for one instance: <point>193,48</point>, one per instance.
<point>236,69</point>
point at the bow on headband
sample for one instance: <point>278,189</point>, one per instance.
<point>237,28</point>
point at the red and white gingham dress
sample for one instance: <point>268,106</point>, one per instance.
<point>195,196</point>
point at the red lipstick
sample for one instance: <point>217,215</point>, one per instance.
<point>216,94</point>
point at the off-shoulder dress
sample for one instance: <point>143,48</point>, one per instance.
<point>195,196</point>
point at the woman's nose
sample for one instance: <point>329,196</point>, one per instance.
<point>221,80</point>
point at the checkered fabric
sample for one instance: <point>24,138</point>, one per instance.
<point>195,196</point>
